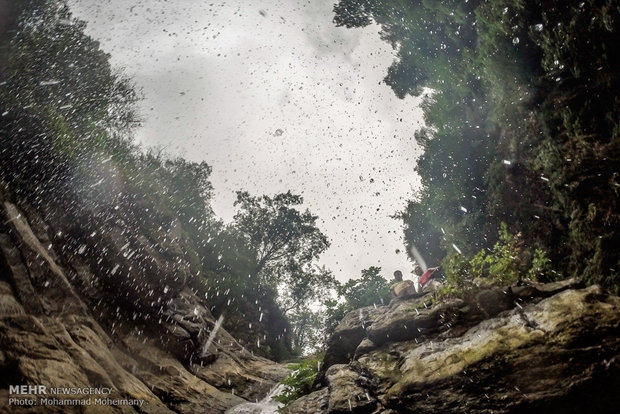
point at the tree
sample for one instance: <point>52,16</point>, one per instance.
<point>284,240</point>
<point>306,327</point>
<point>54,66</point>
<point>521,106</point>
<point>302,289</point>
<point>60,97</point>
<point>431,38</point>
<point>370,289</point>
<point>435,43</point>
<point>280,244</point>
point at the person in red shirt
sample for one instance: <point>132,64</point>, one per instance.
<point>425,277</point>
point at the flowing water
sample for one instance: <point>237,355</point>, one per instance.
<point>216,327</point>
<point>418,257</point>
<point>265,406</point>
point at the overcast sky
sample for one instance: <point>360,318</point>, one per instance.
<point>274,97</point>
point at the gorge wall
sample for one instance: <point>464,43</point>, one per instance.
<point>533,348</point>
<point>118,311</point>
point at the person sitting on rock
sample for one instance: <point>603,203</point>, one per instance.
<point>401,288</point>
<point>426,278</point>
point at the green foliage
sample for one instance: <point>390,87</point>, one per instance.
<point>306,331</point>
<point>541,269</point>
<point>370,289</point>
<point>61,100</point>
<point>283,239</point>
<point>430,37</point>
<point>460,274</point>
<point>299,381</point>
<point>334,312</point>
<point>282,243</point>
<point>523,126</point>
<point>502,264</point>
<point>507,262</point>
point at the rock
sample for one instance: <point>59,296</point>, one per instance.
<point>531,290</point>
<point>313,403</point>
<point>532,357</point>
<point>548,289</point>
<point>551,348</point>
<point>364,347</point>
<point>54,293</point>
<point>490,302</point>
<point>8,304</point>
<point>349,391</point>
<point>410,319</point>
<point>346,337</point>
<point>66,322</point>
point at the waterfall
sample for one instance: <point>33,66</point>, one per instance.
<point>418,257</point>
<point>207,344</point>
<point>265,406</point>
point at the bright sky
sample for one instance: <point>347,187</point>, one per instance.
<point>275,97</point>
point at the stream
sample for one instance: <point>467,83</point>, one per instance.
<point>265,406</point>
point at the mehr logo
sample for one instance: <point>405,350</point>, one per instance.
<point>27,389</point>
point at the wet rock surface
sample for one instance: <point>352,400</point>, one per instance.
<point>66,321</point>
<point>350,390</point>
<point>347,336</point>
<point>313,403</point>
<point>544,348</point>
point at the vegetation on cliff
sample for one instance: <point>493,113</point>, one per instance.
<point>522,125</point>
<point>300,380</point>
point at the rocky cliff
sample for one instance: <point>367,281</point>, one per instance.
<point>97,304</point>
<point>532,348</point>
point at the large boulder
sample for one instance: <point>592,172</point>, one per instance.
<point>343,342</point>
<point>535,358</point>
<point>350,391</point>
<point>313,403</point>
<point>552,348</point>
